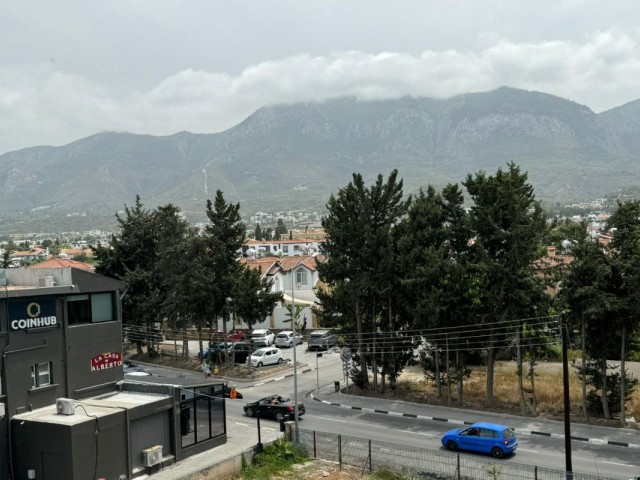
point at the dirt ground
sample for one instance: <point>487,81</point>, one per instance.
<point>413,386</point>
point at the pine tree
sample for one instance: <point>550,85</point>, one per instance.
<point>133,256</point>
<point>360,255</point>
<point>436,284</point>
<point>508,226</point>
<point>626,255</point>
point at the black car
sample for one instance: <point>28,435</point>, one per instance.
<point>273,406</point>
<point>239,351</point>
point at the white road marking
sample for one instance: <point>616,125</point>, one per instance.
<point>621,464</point>
<point>420,433</point>
<point>332,419</point>
<point>242,424</point>
<point>526,450</point>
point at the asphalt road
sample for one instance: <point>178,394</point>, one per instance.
<point>615,462</point>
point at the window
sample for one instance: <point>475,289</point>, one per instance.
<point>90,308</point>
<point>40,374</point>
<point>102,307</point>
<point>296,248</point>
<point>285,248</point>
<point>486,433</point>
<point>301,277</point>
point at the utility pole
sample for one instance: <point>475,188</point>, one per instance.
<point>567,406</point>
<point>295,361</point>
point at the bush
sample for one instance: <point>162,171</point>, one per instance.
<point>275,458</point>
<point>593,377</point>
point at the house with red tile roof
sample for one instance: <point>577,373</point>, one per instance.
<point>26,256</point>
<point>296,278</point>
<point>65,263</point>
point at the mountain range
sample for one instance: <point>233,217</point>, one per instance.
<point>291,157</point>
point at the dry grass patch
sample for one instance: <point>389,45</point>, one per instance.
<point>413,386</point>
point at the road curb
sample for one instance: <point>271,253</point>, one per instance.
<point>230,379</point>
<point>595,441</point>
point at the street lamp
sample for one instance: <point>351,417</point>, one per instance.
<point>295,361</point>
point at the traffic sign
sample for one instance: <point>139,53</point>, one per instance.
<point>345,354</point>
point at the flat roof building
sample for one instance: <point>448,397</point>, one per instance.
<point>66,411</point>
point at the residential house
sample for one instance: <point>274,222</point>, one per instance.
<point>280,248</point>
<point>26,256</point>
<point>297,279</point>
<point>64,263</point>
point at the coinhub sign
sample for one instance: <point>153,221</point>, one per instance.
<point>35,313</point>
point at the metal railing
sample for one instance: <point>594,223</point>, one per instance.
<point>371,455</point>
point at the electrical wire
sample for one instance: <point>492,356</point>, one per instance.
<point>469,337</point>
<point>97,436</point>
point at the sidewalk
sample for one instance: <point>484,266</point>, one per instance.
<point>223,461</point>
<point>620,437</point>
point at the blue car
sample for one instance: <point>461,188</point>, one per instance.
<point>498,440</point>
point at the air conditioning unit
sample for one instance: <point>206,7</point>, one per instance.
<point>65,406</point>
<point>152,456</point>
<point>46,281</point>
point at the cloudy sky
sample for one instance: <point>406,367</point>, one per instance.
<point>72,68</point>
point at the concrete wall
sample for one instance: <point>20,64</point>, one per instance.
<point>277,320</point>
<point>31,276</point>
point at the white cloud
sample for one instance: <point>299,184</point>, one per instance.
<point>40,105</point>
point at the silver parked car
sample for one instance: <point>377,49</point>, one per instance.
<point>322,339</point>
<point>285,339</point>
<point>262,336</point>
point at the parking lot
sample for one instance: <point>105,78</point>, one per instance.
<point>303,355</point>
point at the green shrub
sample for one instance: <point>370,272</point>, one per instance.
<point>275,458</point>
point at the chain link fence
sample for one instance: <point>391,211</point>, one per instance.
<point>370,455</point>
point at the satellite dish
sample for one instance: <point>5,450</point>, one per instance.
<point>567,245</point>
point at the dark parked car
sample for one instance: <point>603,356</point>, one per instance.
<point>212,353</point>
<point>239,351</point>
<point>498,440</point>
<point>322,339</point>
<point>273,406</point>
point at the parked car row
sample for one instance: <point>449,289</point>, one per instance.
<point>260,341</point>
<point>265,337</point>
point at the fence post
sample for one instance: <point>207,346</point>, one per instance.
<point>370,462</point>
<point>340,451</point>
<point>314,445</point>
<point>458,475</point>
<point>535,472</point>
